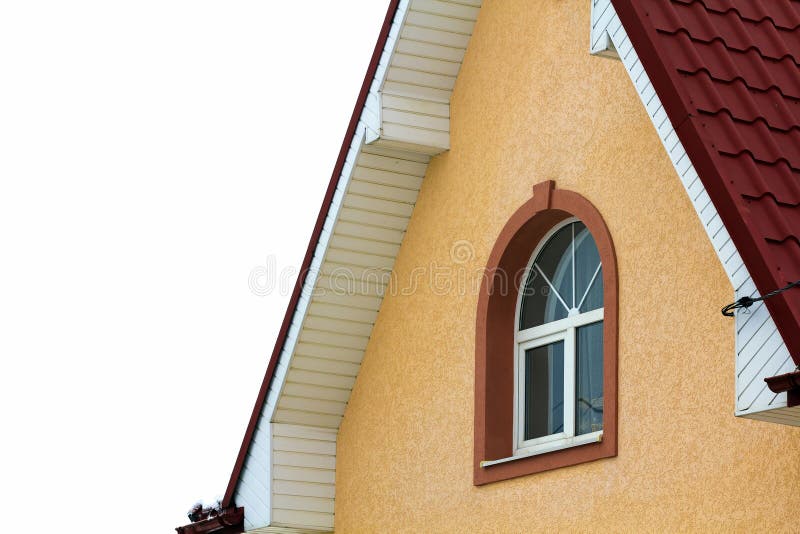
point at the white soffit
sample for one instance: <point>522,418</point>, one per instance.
<point>288,477</point>
<point>372,206</point>
<point>409,107</point>
<point>760,350</point>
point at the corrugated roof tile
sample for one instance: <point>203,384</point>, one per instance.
<point>783,14</point>
<point>772,107</point>
<point>756,180</point>
<point>735,32</point>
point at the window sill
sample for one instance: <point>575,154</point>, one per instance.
<point>584,439</point>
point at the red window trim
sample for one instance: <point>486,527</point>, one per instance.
<point>494,352</point>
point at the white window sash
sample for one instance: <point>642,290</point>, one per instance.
<point>546,334</point>
<point>519,391</point>
<point>563,329</point>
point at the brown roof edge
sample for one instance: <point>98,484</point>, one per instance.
<point>326,203</point>
<point>230,521</point>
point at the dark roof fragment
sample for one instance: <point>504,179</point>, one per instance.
<point>728,74</point>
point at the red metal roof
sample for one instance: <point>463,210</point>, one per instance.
<point>728,74</point>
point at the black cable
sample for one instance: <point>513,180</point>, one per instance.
<point>746,302</point>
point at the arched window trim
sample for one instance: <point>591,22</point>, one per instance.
<point>496,326</point>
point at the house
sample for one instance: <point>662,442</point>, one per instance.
<point>509,314</point>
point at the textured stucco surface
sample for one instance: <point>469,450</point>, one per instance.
<point>531,104</point>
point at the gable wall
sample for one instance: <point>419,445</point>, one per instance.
<point>531,104</point>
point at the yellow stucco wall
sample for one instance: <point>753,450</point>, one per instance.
<point>531,104</point>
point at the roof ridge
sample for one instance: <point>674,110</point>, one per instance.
<point>765,18</point>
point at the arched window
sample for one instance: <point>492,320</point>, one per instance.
<point>559,341</point>
<point>546,344</point>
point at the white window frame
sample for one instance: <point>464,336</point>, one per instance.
<point>552,332</point>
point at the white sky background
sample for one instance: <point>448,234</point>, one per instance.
<point>152,154</point>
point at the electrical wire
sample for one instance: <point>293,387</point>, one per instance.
<point>746,302</point>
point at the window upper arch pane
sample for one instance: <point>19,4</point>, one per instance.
<point>564,279</point>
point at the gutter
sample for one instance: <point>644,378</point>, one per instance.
<point>230,521</point>
<point>788,383</point>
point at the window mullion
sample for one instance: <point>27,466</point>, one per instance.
<point>519,398</point>
<point>552,287</point>
<point>569,382</point>
<point>589,287</point>
<point>574,282</point>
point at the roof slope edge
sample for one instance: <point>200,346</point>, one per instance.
<point>305,266</point>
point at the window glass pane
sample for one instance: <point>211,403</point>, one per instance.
<point>589,379</point>
<point>594,298</point>
<point>554,263</point>
<point>544,390</point>
<point>588,274</point>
